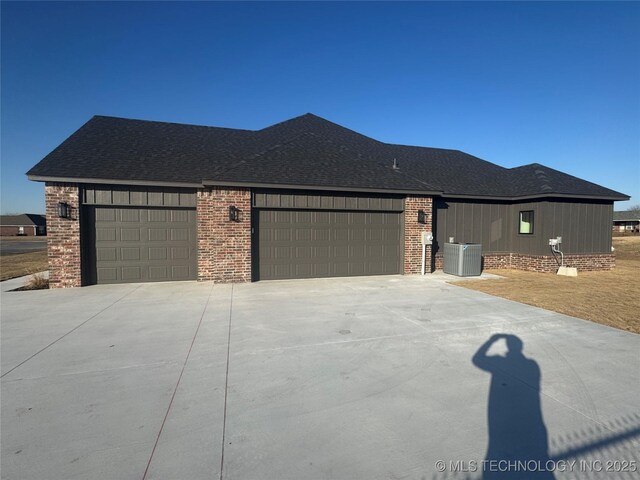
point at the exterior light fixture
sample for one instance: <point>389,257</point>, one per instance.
<point>422,216</point>
<point>63,210</point>
<point>234,214</point>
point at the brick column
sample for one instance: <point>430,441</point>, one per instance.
<point>63,235</point>
<point>224,247</point>
<point>413,233</point>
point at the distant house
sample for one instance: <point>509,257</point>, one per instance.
<point>27,224</point>
<point>626,222</point>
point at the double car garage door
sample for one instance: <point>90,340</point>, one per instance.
<point>310,244</point>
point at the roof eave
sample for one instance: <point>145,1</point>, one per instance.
<point>150,183</point>
<point>510,198</point>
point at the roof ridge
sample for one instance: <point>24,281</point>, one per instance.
<point>160,122</point>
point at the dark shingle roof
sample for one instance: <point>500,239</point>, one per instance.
<point>626,216</point>
<point>24,219</point>
<point>305,151</point>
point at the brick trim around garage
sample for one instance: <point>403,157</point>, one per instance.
<point>63,235</point>
<point>224,247</point>
<point>542,263</point>
<point>413,233</point>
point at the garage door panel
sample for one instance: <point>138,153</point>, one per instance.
<point>158,253</point>
<point>147,248</point>
<point>158,272</point>
<point>106,215</point>
<point>181,272</point>
<point>322,244</point>
<point>129,215</point>
<point>129,253</point>
<point>179,234</point>
<point>106,234</point>
<point>179,216</point>
<point>158,234</point>
<point>131,274</point>
<point>157,215</point>
<point>280,234</point>
<point>107,254</point>
<point>179,253</point>
<point>130,234</point>
<point>107,274</point>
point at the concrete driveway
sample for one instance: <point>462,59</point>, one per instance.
<point>360,378</point>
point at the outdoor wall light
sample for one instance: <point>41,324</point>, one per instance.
<point>63,210</point>
<point>234,214</point>
<point>422,216</point>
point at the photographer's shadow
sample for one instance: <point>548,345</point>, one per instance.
<point>517,432</point>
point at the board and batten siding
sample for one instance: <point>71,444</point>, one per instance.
<point>138,196</point>
<point>484,222</point>
<point>585,226</point>
<point>326,201</point>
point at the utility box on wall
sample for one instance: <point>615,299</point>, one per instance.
<point>463,259</point>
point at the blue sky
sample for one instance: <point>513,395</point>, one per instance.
<point>513,83</point>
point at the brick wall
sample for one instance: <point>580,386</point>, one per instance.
<point>224,247</point>
<point>413,233</point>
<point>63,235</point>
<point>543,263</point>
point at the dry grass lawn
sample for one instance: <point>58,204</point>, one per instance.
<point>611,298</point>
<point>12,266</point>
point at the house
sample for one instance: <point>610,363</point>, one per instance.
<point>136,201</point>
<point>626,221</point>
<point>26,224</point>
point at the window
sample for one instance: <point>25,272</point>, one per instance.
<point>20,230</point>
<point>526,222</point>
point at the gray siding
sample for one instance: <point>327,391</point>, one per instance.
<point>585,226</point>
<point>473,222</point>
<point>138,196</point>
<point>326,201</point>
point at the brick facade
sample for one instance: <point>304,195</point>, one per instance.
<point>586,262</point>
<point>224,247</point>
<point>11,231</point>
<point>413,233</point>
<point>63,235</point>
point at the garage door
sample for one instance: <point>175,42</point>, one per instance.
<point>143,244</point>
<point>308,244</point>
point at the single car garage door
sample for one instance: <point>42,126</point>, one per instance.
<point>308,244</point>
<point>148,244</point>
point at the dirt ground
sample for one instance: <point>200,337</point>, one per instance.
<point>12,266</point>
<point>611,298</point>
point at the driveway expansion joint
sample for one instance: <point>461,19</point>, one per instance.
<point>69,332</point>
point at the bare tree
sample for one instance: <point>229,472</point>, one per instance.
<point>635,209</point>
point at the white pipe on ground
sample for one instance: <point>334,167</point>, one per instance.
<point>424,258</point>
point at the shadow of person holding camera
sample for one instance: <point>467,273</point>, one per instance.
<point>517,433</point>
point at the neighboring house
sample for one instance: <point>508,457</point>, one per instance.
<point>626,221</point>
<point>26,224</point>
<point>131,200</point>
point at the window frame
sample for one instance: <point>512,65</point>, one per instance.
<point>532,222</point>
